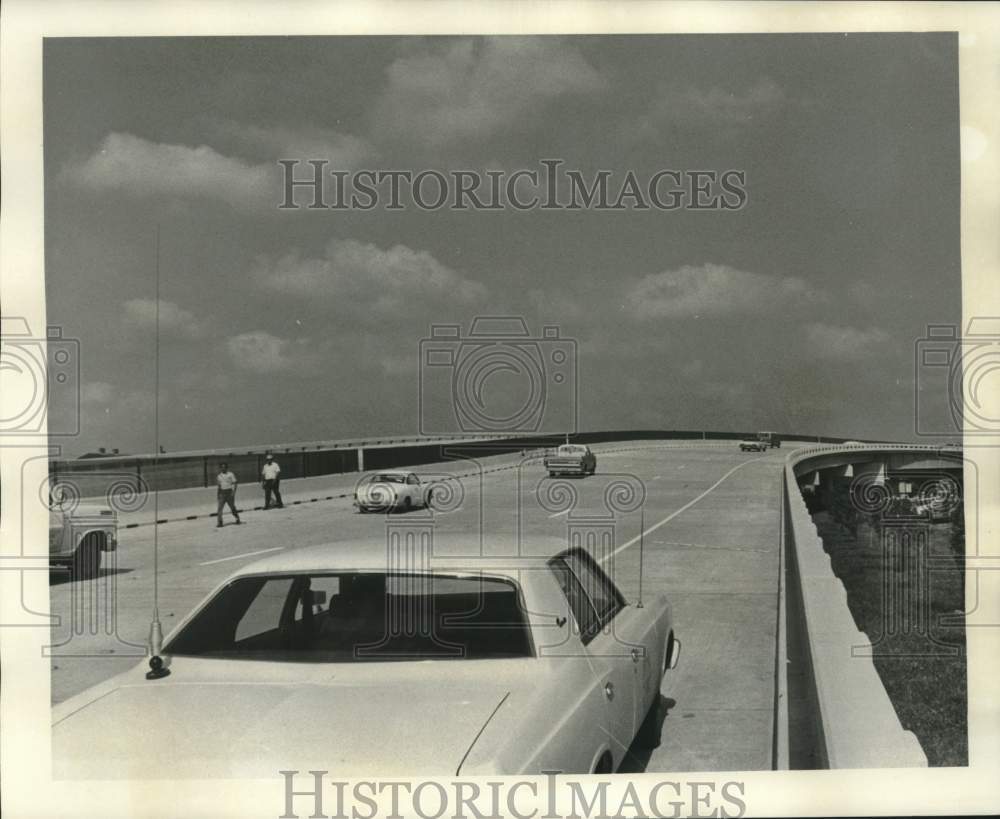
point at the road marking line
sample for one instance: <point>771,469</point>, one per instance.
<point>237,557</point>
<point>559,514</point>
<point>684,508</point>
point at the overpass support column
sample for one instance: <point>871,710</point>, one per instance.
<point>876,469</point>
<point>828,480</point>
<point>361,460</point>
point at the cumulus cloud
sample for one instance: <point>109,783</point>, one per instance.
<point>711,290</point>
<point>385,283</point>
<point>441,95</point>
<point>268,143</point>
<point>261,352</point>
<point>174,319</point>
<point>836,342</point>
<point>692,106</point>
<point>138,167</point>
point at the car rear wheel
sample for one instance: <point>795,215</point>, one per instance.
<point>604,764</point>
<point>87,560</point>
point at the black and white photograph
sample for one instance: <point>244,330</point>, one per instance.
<point>443,415</point>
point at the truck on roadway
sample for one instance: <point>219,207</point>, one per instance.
<point>571,459</point>
<point>770,439</point>
<point>79,536</point>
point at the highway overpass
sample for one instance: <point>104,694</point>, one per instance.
<point>763,680</point>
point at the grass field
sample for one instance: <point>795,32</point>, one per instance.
<point>899,606</point>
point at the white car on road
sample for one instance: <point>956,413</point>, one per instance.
<point>329,658</point>
<point>391,490</point>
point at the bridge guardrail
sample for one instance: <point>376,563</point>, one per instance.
<point>856,723</point>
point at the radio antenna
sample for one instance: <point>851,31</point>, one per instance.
<point>155,629</point>
<point>642,530</point>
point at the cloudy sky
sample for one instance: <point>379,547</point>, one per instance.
<point>798,312</point>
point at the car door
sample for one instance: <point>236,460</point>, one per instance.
<point>616,654</point>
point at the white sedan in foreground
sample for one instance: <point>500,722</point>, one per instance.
<point>324,659</point>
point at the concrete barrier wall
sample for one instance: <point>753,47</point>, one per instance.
<point>835,697</point>
<point>95,477</point>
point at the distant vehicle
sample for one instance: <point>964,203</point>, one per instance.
<point>321,658</point>
<point>770,438</point>
<point>388,491</point>
<point>80,535</point>
<point>571,459</point>
<point>753,445</point>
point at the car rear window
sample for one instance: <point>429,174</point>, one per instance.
<point>358,617</point>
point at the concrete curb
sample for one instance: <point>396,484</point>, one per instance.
<point>856,724</point>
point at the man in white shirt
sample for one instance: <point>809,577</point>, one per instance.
<point>270,480</point>
<point>227,481</point>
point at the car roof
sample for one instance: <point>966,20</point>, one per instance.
<point>494,555</point>
<point>393,472</point>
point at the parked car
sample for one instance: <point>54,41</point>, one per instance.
<point>80,535</point>
<point>389,491</point>
<point>571,459</point>
<point>753,445</point>
<point>323,659</point>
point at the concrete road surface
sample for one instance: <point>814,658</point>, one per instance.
<point>711,534</point>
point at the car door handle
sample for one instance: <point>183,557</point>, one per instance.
<point>609,691</point>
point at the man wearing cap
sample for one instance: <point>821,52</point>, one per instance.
<point>227,481</point>
<point>270,480</point>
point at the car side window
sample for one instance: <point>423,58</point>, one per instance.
<point>584,614</point>
<point>264,612</point>
<point>603,593</point>
<point>412,479</point>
